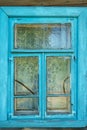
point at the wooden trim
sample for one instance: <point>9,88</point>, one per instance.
<point>43,2</point>
<point>40,124</point>
<point>3,65</point>
<point>37,11</point>
<point>17,13</point>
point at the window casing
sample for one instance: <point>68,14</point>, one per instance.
<point>32,70</point>
<point>57,32</point>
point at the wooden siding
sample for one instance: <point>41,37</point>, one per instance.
<point>44,2</point>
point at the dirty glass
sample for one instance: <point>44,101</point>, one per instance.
<point>58,84</point>
<point>26,85</point>
<point>58,75</point>
<point>58,104</point>
<point>26,75</point>
<point>26,106</point>
<point>26,69</point>
<point>42,36</point>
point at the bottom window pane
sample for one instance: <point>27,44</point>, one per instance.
<point>58,105</point>
<point>26,106</point>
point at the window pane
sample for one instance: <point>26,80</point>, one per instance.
<point>58,104</point>
<point>26,75</point>
<point>42,36</point>
<point>26,106</point>
<point>58,75</point>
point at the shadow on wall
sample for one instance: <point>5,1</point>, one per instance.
<point>44,129</point>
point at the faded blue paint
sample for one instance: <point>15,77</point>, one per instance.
<point>77,16</point>
<point>3,65</point>
<point>44,11</point>
<point>82,65</point>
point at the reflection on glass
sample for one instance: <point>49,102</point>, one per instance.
<point>26,75</point>
<point>42,36</point>
<point>26,106</point>
<point>58,75</point>
<point>58,104</point>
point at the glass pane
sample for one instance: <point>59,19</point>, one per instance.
<point>42,36</point>
<point>26,106</point>
<point>58,75</point>
<point>58,104</point>
<point>26,75</point>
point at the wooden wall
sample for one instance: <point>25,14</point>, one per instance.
<point>44,2</point>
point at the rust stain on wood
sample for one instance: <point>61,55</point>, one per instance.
<point>44,2</point>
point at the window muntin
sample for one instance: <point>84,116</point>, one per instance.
<point>43,36</point>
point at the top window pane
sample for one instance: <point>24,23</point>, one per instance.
<point>42,36</point>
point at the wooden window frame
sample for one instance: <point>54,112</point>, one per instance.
<point>80,16</point>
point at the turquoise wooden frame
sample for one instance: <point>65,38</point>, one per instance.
<point>43,54</point>
<point>77,16</point>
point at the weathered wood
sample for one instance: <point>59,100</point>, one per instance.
<point>44,2</point>
<point>3,65</point>
<point>78,31</point>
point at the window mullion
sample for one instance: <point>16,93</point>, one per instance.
<point>43,86</point>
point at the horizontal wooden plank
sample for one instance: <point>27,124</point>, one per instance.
<point>42,11</point>
<point>43,2</point>
<point>39,124</point>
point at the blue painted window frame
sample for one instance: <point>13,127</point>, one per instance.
<point>73,15</point>
<point>43,54</point>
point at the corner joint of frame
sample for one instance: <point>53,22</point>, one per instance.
<point>1,8</point>
<point>83,13</point>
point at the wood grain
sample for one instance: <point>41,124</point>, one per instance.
<point>43,2</point>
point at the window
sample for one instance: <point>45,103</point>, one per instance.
<point>43,67</point>
<point>43,56</point>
